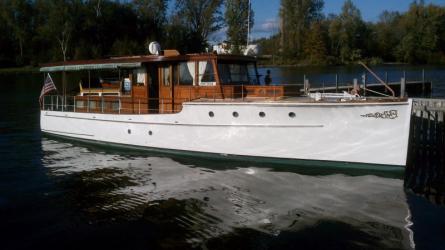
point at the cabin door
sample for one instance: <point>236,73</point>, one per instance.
<point>153,88</point>
<point>166,104</point>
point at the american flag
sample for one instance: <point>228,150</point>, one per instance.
<point>47,87</point>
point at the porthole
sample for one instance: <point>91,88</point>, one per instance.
<point>262,114</point>
<point>150,133</point>
<point>211,114</point>
<point>291,114</point>
<point>235,114</point>
<point>129,131</point>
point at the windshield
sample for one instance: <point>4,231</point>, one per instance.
<point>237,73</point>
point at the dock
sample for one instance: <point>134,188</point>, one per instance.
<point>425,170</point>
<point>412,88</point>
<point>407,88</point>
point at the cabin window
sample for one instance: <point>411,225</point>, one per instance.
<point>115,105</point>
<point>237,73</point>
<point>140,75</point>
<point>206,74</point>
<point>80,104</point>
<point>187,73</point>
<point>166,75</point>
<point>175,75</point>
<point>93,104</point>
<point>252,73</point>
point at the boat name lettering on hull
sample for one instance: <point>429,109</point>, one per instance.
<point>389,114</point>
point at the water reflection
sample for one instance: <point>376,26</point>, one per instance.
<point>190,205</point>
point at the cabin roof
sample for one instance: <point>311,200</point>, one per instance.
<point>134,61</point>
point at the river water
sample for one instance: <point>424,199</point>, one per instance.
<point>326,76</point>
<point>60,194</point>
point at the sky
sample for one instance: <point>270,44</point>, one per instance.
<point>266,12</point>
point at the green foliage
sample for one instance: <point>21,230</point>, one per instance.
<point>417,36</point>
<point>423,34</point>
<point>297,17</point>
<point>16,17</point>
<point>315,45</point>
<point>199,18</point>
<point>348,33</point>
<point>36,31</point>
<point>236,17</point>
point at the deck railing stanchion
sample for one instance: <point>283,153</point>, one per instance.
<point>402,87</point>
<point>74,105</point>
<point>364,83</point>
<point>102,104</point>
<point>355,87</point>
<point>336,83</point>
<point>162,106</point>
<point>423,82</point>
<point>306,86</point>
<point>242,92</point>
<point>274,93</point>
<point>139,106</point>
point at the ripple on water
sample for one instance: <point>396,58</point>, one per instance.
<point>198,205</point>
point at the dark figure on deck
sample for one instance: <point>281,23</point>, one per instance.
<point>267,78</point>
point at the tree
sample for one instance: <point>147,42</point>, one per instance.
<point>200,18</point>
<point>237,20</point>
<point>315,45</point>
<point>296,18</point>
<point>59,24</point>
<point>387,34</point>
<point>17,16</point>
<point>423,29</point>
<point>152,17</point>
<point>348,33</point>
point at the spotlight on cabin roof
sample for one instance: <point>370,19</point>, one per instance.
<point>154,48</point>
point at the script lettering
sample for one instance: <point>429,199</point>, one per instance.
<point>389,114</point>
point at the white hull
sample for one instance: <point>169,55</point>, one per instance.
<point>374,133</point>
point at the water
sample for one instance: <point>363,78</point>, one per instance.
<point>60,194</point>
<point>325,76</point>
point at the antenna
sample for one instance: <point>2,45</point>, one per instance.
<point>248,26</point>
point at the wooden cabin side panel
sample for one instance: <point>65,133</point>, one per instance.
<point>97,104</point>
<point>140,99</point>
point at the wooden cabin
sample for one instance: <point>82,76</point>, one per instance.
<point>161,83</point>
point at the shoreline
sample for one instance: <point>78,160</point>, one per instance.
<point>14,70</point>
<point>301,65</point>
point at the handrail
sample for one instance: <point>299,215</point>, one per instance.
<point>134,105</point>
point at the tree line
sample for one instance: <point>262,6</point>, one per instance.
<point>36,31</point>
<point>309,37</point>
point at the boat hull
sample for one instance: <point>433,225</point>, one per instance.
<point>370,133</point>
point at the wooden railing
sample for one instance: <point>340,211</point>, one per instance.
<point>139,104</point>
